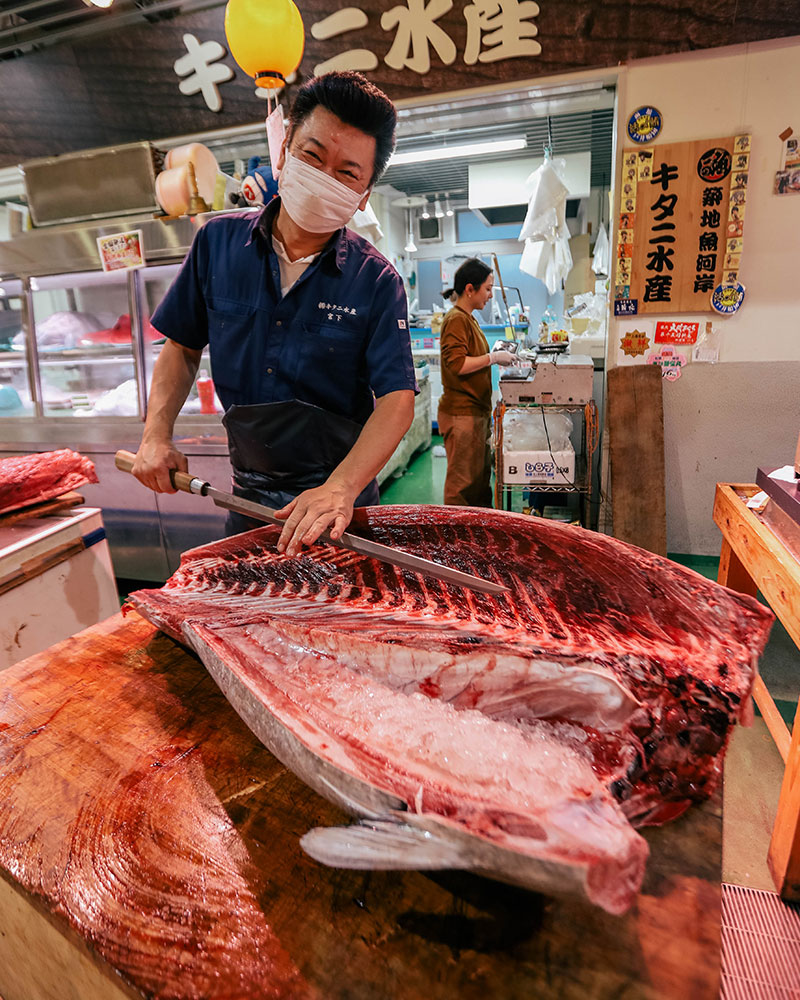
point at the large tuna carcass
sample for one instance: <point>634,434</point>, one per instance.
<point>523,736</point>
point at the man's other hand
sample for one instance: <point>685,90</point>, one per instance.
<point>324,508</point>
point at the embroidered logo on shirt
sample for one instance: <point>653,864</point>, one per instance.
<point>332,308</point>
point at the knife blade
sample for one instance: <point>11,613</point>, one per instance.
<point>362,546</point>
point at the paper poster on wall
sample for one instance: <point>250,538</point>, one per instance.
<point>787,182</point>
<point>634,340</point>
<point>624,305</point>
<point>121,251</point>
<point>791,153</point>
<point>670,362</point>
<point>708,344</point>
<point>677,332</point>
<point>683,222</point>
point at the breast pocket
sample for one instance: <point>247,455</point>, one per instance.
<point>232,345</point>
<point>331,366</point>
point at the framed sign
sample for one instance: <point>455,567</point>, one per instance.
<point>681,223</point>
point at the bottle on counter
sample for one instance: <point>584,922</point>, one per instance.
<point>205,390</point>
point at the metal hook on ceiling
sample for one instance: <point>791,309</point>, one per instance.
<point>548,146</point>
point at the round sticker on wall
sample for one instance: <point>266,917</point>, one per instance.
<point>714,165</point>
<point>644,124</point>
<point>727,298</point>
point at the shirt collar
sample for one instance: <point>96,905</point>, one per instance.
<point>261,227</point>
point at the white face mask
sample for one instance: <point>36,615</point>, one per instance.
<point>314,200</point>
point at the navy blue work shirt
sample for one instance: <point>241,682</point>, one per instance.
<point>339,334</point>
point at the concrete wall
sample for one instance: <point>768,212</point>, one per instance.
<point>724,420</point>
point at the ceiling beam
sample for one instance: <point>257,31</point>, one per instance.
<point>111,21</point>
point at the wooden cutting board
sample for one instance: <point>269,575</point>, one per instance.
<point>64,502</point>
<point>149,848</point>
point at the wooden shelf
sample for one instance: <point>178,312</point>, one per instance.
<point>754,557</point>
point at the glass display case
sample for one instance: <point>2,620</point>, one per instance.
<point>15,394</point>
<point>77,351</point>
<point>153,283</point>
<point>84,344</point>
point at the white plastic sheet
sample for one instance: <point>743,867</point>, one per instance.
<point>546,254</point>
<point>532,430</point>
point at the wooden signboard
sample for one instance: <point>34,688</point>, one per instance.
<point>147,78</point>
<point>681,224</point>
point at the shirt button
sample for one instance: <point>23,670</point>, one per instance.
<point>278,322</point>
<point>269,371</point>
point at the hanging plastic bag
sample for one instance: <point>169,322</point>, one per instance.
<point>366,224</point>
<point>546,223</point>
<point>601,252</point>
<point>547,193</point>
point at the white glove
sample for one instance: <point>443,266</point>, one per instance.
<point>504,358</point>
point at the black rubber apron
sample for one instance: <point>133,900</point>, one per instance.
<point>278,450</point>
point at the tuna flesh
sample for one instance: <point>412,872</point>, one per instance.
<point>30,479</point>
<point>522,736</point>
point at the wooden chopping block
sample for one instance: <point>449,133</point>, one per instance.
<point>149,848</point>
<point>64,502</point>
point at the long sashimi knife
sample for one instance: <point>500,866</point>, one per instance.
<point>384,553</point>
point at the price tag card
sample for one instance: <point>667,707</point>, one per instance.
<point>121,251</point>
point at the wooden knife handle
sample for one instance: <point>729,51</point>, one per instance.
<point>180,480</point>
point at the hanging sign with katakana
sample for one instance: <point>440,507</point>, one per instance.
<point>681,223</point>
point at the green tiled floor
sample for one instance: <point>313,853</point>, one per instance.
<point>422,482</point>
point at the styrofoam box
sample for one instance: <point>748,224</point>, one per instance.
<point>554,468</point>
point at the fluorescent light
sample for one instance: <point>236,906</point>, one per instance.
<point>98,3</point>
<point>451,152</point>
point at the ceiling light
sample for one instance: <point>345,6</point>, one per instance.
<point>411,246</point>
<point>448,211</point>
<point>451,152</point>
<point>425,212</point>
<point>98,3</point>
<point>437,209</point>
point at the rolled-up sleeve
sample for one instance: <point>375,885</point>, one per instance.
<point>181,315</point>
<point>390,363</point>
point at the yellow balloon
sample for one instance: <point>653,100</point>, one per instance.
<point>266,38</point>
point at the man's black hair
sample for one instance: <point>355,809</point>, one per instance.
<point>357,102</point>
<point>472,272</point>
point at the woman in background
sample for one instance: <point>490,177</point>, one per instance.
<point>465,408</point>
<point>450,296</point>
